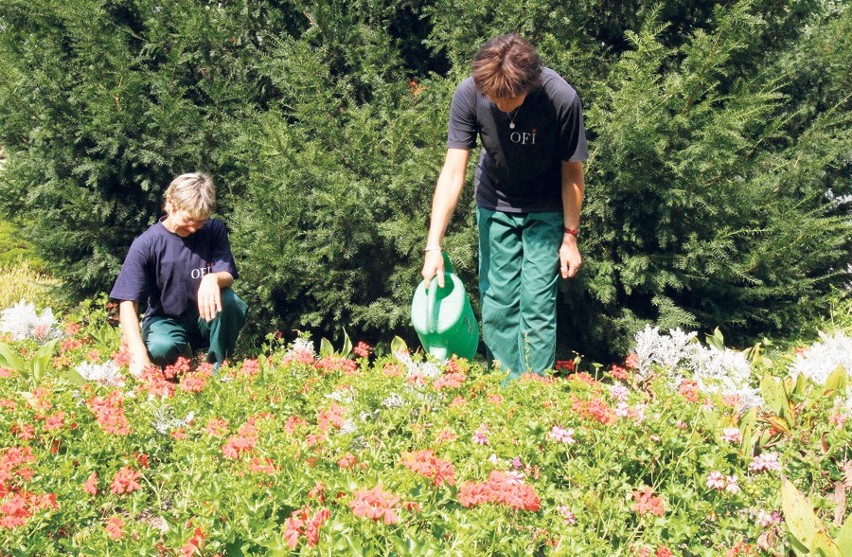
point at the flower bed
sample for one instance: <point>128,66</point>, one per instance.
<point>298,452</point>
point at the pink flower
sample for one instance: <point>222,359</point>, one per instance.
<point>732,435</point>
<point>567,514</point>
<point>114,527</point>
<point>732,486</point>
<point>766,519</point>
<point>375,504</point>
<point>619,392</point>
<point>125,481</point>
<point>561,435</point>
<point>765,462</point>
<point>90,486</point>
<point>646,503</point>
<point>716,480</point>
<point>480,436</point>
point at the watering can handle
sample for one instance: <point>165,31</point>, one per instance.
<point>431,294</point>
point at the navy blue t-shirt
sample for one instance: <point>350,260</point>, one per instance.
<point>164,270</point>
<point>520,168</point>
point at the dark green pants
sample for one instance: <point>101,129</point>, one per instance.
<point>169,337</point>
<point>518,272</point>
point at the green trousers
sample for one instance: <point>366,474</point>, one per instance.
<point>518,272</point>
<point>167,338</point>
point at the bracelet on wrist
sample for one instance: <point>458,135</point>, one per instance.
<point>572,231</point>
<point>432,248</point>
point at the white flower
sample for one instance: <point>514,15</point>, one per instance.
<point>107,373</point>
<point>822,358</point>
<point>21,321</point>
<point>717,371</point>
<point>344,396</point>
<point>393,401</point>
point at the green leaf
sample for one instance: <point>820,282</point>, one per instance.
<point>823,545</point>
<point>347,345</point>
<point>326,349</point>
<point>798,513</point>
<point>746,425</point>
<point>717,341</point>
<point>398,345</point>
<point>74,377</point>
<point>844,536</point>
<point>9,358</point>
<point>774,394</point>
<point>836,382</point>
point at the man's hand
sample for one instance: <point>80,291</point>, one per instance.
<point>433,266</point>
<point>209,297</point>
<point>569,257</point>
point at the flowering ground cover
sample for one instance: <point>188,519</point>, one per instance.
<point>685,449</point>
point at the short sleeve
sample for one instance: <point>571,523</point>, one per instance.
<point>462,129</point>
<point>573,131</point>
<point>132,284</point>
<point>221,257</point>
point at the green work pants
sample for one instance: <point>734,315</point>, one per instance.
<point>167,338</point>
<point>518,272</point>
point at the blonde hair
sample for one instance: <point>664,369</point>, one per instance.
<point>506,67</point>
<point>193,193</point>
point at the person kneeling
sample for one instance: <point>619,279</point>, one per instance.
<point>183,269</point>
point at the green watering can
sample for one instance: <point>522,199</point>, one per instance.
<point>443,317</point>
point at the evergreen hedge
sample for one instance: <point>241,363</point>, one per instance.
<point>719,134</point>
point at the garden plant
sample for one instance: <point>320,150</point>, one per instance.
<point>688,448</point>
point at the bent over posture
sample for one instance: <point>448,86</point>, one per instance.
<point>183,269</point>
<point>529,192</point>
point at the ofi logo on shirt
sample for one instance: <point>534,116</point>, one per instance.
<point>523,138</point>
<point>201,271</point>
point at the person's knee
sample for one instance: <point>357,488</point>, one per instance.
<point>164,350</point>
<point>232,305</point>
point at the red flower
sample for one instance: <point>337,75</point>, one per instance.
<point>125,481</point>
<point>109,413</point>
<point>114,527</point>
<point>647,503</point>
<point>362,349</point>
<point>375,504</point>
<point>426,464</point>
<point>90,486</point>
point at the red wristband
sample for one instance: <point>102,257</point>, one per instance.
<point>572,231</point>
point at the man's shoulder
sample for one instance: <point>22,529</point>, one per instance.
<point>557,87</point>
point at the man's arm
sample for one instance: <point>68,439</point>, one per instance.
<point>210,293</point>
<point>573,186</point>
<point>447,192</point>
<point>128,318</point>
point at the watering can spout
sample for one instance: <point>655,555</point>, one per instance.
<point>443,317</point>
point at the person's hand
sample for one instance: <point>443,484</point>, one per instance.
<point>139,360</point>
<point>433,265</point>
<point>569,257</point>
<point>209,297</point>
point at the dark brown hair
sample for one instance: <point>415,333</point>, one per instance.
<point>507,66</point>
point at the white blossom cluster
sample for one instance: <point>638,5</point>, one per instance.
<point>428,370</point>
<point>716,371</point>
<point>165,421</point>
<point>819,360</point>
<point>21,321</point>
<point>107,373</point>
<point>302,345</point>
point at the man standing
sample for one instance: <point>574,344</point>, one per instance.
<point>529,192</point>
<point>182,267</point>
